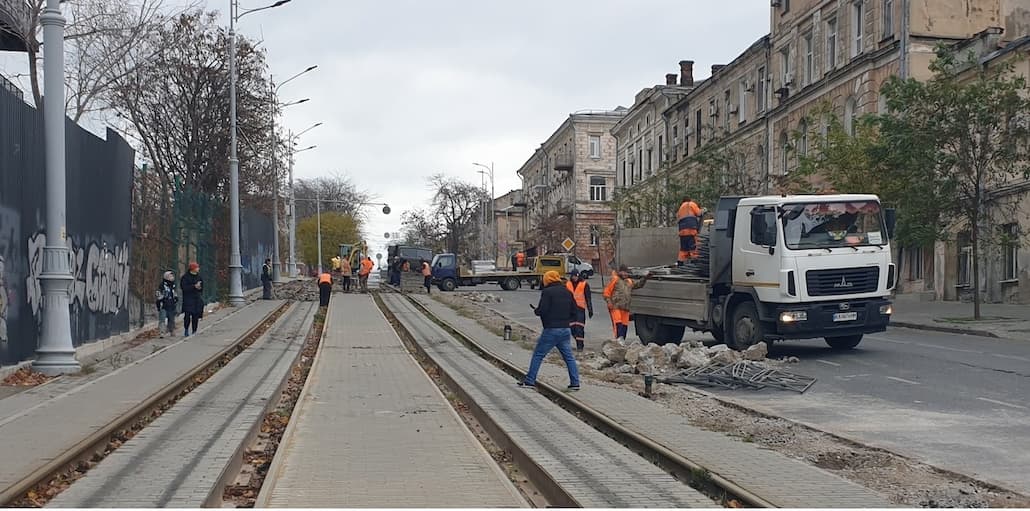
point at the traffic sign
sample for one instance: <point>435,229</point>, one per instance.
<point>568,244</point>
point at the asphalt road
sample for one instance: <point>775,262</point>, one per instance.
<point>957,401</point>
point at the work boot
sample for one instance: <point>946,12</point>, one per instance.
<point>579,345</point>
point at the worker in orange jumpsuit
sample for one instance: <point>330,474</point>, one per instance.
<point>618,295</point>
<point>366,269</point>
<point>520,259</point>
<point>584,307</point>
<point>688,220</point>
<point>325,288</point>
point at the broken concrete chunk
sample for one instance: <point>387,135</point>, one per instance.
<point>598,363</point>
<point>673,351</point>
<point>633,353</point>
<point>756,352</point>
<point>692,358</point>
<point>614,351</point>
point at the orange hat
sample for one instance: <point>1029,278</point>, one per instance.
<point>194,266</point>
<point>551,277</point>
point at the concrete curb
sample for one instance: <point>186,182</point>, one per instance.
<point>945,329</point>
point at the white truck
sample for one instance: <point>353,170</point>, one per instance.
<point>779,267</point>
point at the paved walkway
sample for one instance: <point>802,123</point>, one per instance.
<point>784,481</point>
<point>372,430</point>
<point>30,437</point>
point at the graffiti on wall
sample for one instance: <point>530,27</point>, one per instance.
<point>4,296</point>
<point>101,284</point>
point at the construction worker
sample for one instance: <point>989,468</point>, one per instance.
<point>584,307</point>
<point>345,272</point>
<point>618,295</point>
<point>427,276</point>
<point>520,259</point>
<point>266,280</point>
<point>325,288</point>
<point>688,220</point>
<point>366,268</point>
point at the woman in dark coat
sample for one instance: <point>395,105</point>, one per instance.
<point>192,298</point>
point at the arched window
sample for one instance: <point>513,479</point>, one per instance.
<point>881,104</point>
<point>849,116</point>
<point>803,144</point>
<point>784,152</point>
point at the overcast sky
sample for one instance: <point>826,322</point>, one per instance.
<point>407,88</point>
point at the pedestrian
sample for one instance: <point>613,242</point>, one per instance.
<point>167,303</point>
<point>395,271</point>
<point>580,290</point>
<point>346,274</point>
<point>618,295</point>
<point>427,276</point>
<point>266,280</point>
<point>192,287</point>
<point>514,262</point>
<point>556,309</point>
<point>366,269</point>
<point>325,288</point>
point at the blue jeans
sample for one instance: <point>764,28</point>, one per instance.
<point>549,339</point>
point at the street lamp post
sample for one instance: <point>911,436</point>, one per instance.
<point>235,265</point>
<point>493,220</point>
<point>293,199</point>
<point>56,352</point>
<point>276,276</point>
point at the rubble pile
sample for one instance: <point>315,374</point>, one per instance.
<point>297,290</point>
<point>480,297</point>
<point>623,356</point>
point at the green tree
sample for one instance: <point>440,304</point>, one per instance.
<point>337,228</point>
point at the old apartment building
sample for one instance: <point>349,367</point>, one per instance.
<point>510,221</point>
<point>766,108</point>
<point>567,187</point>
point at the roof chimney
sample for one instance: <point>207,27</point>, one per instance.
<point>717,67</point>
<point>670,79</point>
<point>687,73</point>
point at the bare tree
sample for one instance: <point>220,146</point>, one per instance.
<point>340,194</point>
<point>422,228</point>
<point>455,205</point>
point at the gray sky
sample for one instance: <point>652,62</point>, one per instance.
<point>407,88</point>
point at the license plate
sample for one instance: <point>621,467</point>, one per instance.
<point>845,316</point>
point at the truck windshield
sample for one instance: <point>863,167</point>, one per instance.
<point>833,224</point>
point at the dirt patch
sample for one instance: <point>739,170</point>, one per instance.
<point>26,377</point>
<point>901,480</point>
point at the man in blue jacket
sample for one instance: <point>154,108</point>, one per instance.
<point>557,309</point>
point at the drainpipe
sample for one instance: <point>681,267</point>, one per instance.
<point>903,47</point>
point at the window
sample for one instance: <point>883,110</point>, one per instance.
<point>595,146</point>
<point>849,116</point>
<point>965,266</point>
<point>760,90</point>
<point>595,236</point>
<point>803,144</point>
<point>742,101</point>
<point>697,129</point>
<point>650,161</point>
<point>785,74</point>
<point>661,154</point>
<point>1010,246</point>
<point>831,44</point>
<point>598,188</point>
<point>726,106</point>
<point>786,6</point>
<point>648,121</point>
<point>888,18</point>
<point>632,167</point>
<point>857,27</point>
<point>624,173</point>
<point>675,135</point>
<point>809,59</point>
<point>915,263</point>
<point>640,168</point>
<point>760,229</point>
<point>784,151</point>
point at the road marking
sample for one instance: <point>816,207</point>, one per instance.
<point>1002,403</point>
<point>1013,357</point>
<point>827,362</point>
<point>939,347</point>
<point>902,380</point>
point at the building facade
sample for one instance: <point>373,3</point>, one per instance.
<point>567,187</point>
<point>510,221</point>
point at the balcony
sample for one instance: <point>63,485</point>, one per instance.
<point>564,162</point>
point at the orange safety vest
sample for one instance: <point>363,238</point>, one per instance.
<point>688,218</point>
<point>366,266</point>
<point>578,292</point>
<point>520,258</point>
<point>425,270</point>
<point>325,278</point>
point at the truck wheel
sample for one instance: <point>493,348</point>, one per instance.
<point>844,343</point>
<point>532,283</point>
<point>510,284</point>
<point>719,334</point>
<point>671,334</point>
<point>587,274</point>
<point>448,285</point>
<point>746,329</point>
<point>647,328</point>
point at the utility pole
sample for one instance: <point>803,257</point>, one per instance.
<point>293,216</point>
<point>490,205</point>
<point>56,352</point>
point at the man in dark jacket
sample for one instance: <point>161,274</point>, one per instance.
<point>557,310</point>
<point>266,280</point>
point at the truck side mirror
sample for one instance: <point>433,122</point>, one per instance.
<point>891,216</point>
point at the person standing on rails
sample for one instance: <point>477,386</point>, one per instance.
<point>618,295</point>
<point>192,298</point>
<point>266,280</point>
<point>325,288</point>
<point>427,276</point>
<point>167,303</point>
<point>688,220</point>
<point>366,269</point>
<point>557,310</point>
<point>584,307</point>
<point>345,272</point>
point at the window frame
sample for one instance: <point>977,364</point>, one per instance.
<point>857,28</point>
<point>591,141</point>
<point>888,19</point>
<point>598,191</point>
<point>760,91</point>
<point>832,39</point>
<point>809,67</point>
<point>742,101</point>
<point>1010,256</point>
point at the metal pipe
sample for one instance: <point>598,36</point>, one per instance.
<point>293,218</point>
<point>276,276</point>
<point>318,222</point>
<point>235,266</point>
<point>56,352</point>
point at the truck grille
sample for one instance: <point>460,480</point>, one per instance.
<point>842,281</point>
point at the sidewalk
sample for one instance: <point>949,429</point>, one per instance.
<point>999,320</point>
